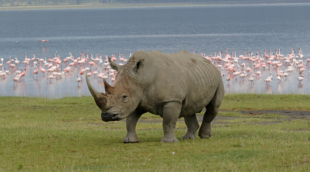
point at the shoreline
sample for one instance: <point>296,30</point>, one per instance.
<point>142,5</point>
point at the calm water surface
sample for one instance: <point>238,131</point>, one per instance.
<point>204,29</point>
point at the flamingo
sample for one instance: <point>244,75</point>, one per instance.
<point>3,74</point>
<point>95,72</point>
<point>81,71</point>
<point>67,69</point>
<point>7,72</point>
<point>308,61</point>
<point>50,77</point>
<point>227,56</point>
<point>12,65</point>
<point>300,53</point>
<point>78,79</point>
<point>237,73</point>
<point>23,73</point>
<point>36,71</point>
<point>16,78</point>
<point>251,79</point>
<point>16,61</point>
<point>8,62</point>
<point>244,74</point>
<point>268,80</point>
<point>300,78</point>
<point>89,74</point>
<point>1,64</point>
<point>279,78</point>
<point>113,58</point>
<point>42,69</point>
<point>34,57</point>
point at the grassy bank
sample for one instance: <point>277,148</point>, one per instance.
<point>67,134</point>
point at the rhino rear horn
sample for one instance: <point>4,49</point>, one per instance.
<point>108,88</point>
<point>100,98</point>
<point>113,65</point>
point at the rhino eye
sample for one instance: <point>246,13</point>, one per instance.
<point>125,98</point>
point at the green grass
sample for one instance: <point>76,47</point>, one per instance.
<point>38,134</point>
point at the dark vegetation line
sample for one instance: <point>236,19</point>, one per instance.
<point>6,3</point>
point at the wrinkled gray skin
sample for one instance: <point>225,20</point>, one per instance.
<point>170,85</point>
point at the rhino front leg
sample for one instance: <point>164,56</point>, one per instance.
<point>171,112</point>
<point>192,126</point>
<point>131,122</point>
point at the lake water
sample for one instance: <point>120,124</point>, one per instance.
<point>204,29</point>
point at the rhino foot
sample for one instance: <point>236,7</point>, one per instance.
<point>205,131</point>
<point>204,135</point>
<point>131,140</point>
<point>189,136</point>
<point>169,140</point>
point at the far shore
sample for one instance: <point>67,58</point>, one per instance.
<point>93,6</point>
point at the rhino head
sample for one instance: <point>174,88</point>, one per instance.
<point>119,101</point>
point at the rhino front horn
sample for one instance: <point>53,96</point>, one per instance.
<point>93,91</point>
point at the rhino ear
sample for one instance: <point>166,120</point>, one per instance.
<point>139,65</point>
<point>113,65</point>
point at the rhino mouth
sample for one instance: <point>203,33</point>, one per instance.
<point>106,117</point>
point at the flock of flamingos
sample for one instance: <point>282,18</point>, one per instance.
<point>245,67</point>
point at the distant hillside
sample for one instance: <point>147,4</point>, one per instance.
<point>89,2</point>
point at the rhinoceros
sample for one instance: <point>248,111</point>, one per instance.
<point>169,85</point>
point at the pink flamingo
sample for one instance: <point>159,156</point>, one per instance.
<point>12,65</point>
<point>228,78</point>
<point>42,69</point>
<point>266,55</point>
<point>23,73</point>
<point>35,72</point>
<point>78,80</point>
<point>8,62</point>
<point>237,73</point>
<point>16,78</point>
<point>34,57</point>
<point>1,64</point>
<point>67,69</point>
<point>300,53</point>
<point>308,61</point>
<point>248,69</point>
<point>113,58</point>
<point>81,71</point>
<point>91,63</point>
<point>72,64</point>
<point>227,56</point>
<point>26,59</point>
<point>257,66</point>
<point>89,74</point>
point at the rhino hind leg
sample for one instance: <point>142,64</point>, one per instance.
<point>192,126</point>
<point>171,112</point>
<point>211,111</point>
<point>131,122</point>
